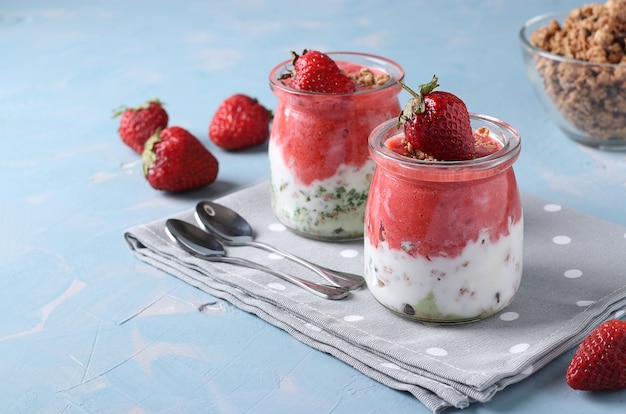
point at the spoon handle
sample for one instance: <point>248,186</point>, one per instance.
<point>337,278</point>
<point>324,291</point>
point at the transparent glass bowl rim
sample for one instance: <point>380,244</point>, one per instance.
<point>399,76</point>
<point>546,18</point>
<point>509,150</point>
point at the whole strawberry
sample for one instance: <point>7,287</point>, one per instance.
<point>175,160</point>
<point>315,71</point>
<point>600,361</point>
<point>139,123</point>
<point>437,124</point>
<point>240,122</point>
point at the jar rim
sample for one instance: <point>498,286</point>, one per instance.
<point>508,136</point>
<point>383,63</point>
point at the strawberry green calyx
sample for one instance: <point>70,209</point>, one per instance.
<point>416,105</point>
<point>148,157</point>
<point>122,108</point>
<point>147,104</point>
<point>291,73</point>
<point>294,58</point>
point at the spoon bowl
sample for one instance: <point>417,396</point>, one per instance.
<point>234,230</point>
<point>201,244</point>
<point>224,223</point>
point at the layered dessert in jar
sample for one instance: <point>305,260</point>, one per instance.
<point>320,168</point>
<point>444,223</point>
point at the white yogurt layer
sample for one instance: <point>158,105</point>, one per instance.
<point>479,282</point>
<point>332,208</point>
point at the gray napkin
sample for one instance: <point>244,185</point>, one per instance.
<point>573,279</point>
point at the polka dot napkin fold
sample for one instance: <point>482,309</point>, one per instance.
<point>572,280</point>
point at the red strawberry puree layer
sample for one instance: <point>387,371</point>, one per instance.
<point>442,219</point>
<point>443,244</point>
<point>320,133</point>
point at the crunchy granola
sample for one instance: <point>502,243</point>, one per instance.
<point>590,97</point>
<point>368,79</point>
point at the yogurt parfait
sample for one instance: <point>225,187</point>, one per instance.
<point>320,168</point>
<point>444,224</point>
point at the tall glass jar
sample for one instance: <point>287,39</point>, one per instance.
<point>320,169</point>
<point>443,240</point>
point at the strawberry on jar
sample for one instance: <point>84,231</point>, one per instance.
<point>437,124</point>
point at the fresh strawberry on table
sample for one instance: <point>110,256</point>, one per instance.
<point>437,123</point>
<point>315,71</point>
<point>599,363</point>
<point>175,160</point>
<point>240,122</point>
<point>139,123</point>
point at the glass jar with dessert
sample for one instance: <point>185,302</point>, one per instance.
<point>444,223</point>
<point>320,168</point>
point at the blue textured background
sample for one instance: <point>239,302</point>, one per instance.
<point>85,327</point>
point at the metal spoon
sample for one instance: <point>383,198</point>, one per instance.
<point>202,244</point>
<point>233,230</point>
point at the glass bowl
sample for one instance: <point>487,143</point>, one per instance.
<point>585,100</point>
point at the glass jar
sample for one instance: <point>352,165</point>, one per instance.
<point>320,169</point>
<point>443,240</point>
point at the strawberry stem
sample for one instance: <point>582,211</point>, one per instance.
<point>409,90</point>
<point>292,73</point>
<point>430,86</point>
<point>415,105</point>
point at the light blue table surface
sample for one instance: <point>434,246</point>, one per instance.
<point>87,328</point>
